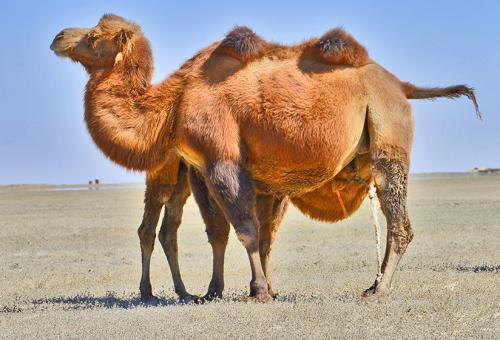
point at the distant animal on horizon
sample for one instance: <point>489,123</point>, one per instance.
<point>254,122</point>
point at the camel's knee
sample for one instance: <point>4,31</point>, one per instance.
<point>147,229</point>
<point>172,219</point>
<point>265,248</point>
<point>266,240</point>
<point>170,224</point>
<point>146,234</point>
<point>168,240</point>
<point>402,235</point>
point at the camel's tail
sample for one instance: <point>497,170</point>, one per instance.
<point>414,92</point>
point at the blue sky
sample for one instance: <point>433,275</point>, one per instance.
<point>431,43</point>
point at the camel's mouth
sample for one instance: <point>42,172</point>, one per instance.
<point>59,50</point>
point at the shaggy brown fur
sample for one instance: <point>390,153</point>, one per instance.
<point>242,43</point>
<point>273,121</point>
<point>352,186</point>
<point>338,47</point>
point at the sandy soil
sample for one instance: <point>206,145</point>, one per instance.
<point>70,267</point>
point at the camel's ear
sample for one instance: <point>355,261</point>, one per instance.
<point>124,38</point>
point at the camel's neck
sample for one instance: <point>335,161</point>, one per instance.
<point>130,120</point>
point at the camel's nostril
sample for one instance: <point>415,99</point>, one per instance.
<point>55,43</point>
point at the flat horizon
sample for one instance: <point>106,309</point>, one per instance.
<point>412,174</point>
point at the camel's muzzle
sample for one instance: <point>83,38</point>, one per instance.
<point>66,40</point>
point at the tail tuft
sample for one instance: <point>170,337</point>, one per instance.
<point>452,92</point>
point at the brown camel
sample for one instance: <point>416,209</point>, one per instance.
<point>253,118</point>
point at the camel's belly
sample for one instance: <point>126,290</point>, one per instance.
<point>289,182</point>
<point>291,166</point>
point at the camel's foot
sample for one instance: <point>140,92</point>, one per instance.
<point>259,292</point>
<point>258,298</point>
<point>376,293</point>
<point>209,297</point>
<point>188,298</point>
<point>146,292</point>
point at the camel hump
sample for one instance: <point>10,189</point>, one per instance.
<point>243,43</point>
<point>338,47</point>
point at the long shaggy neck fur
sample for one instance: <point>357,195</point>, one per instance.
<point>131,121</point>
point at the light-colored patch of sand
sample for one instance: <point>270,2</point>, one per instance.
<point>70,267</point>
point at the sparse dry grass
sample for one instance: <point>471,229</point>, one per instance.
<point>70,267</point>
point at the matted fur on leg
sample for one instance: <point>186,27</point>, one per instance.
<point>393,198</point>
<point>390,172</point>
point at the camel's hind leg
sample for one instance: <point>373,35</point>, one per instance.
<point>391,180</point>
<point>153,202</point>
<point>390,130</point>
<point>232,187</point>
<point>270,212</point>
<point>168,231</point>
<point>217,228</point>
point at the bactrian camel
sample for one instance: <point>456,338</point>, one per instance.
<point>256,122</point>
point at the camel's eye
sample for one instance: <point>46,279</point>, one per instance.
<point>92,39</point>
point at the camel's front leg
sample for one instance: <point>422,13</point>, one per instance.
<point>217,228</point>
<point>168,232</point>
<point>147,235</point>
<point>270,212</point>
<point>391,180</point>
<point>232,187</point>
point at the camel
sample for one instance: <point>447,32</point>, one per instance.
<point>257,121</point>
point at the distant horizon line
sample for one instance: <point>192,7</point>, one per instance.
<point>142,183</point>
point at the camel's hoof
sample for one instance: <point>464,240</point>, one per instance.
<point>146,291</point>
<point>188,298</point>
<point>369,291</point>
<point>146,296</point>
<point>375,294</point>
<point>209,297</point>
<point>273,294</point>
<point>259,298</point>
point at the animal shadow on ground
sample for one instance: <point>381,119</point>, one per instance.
<point>86,301</point>
<point>121,301</point>
<point>483,268</point>
<point>479,269</point>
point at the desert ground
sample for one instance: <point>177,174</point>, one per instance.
<point>70,268</point>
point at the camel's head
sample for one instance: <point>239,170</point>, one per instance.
<point>98,47</point>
